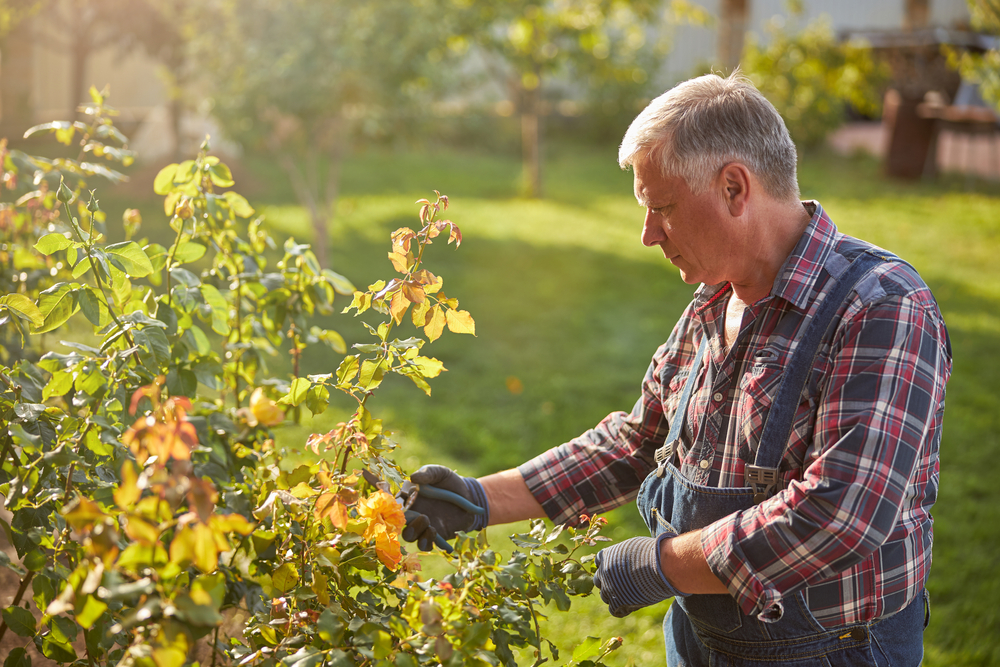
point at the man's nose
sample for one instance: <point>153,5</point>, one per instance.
<point>652,230</point>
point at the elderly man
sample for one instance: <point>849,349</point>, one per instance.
<point>784,450</point>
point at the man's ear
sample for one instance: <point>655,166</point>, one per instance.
<point>737,182</point>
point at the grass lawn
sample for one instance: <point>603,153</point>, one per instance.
<point>569,307</point>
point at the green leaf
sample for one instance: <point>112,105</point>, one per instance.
<point>371,374</point>
<point>239,205</point>
<point>189,251</point>
<point>18,657</point>
<point>57,650</point>
<point>307,656</point>
<point>340,284</point>
<point>53,242</point>
<point>89,611</point>
<point>318,399</point>
<point>130,258</point>
<point>20,621</point>
<point>92,440</point>
<point>296,393</point>
<point>23,307</point>
<point>164,181</point>
<point>185,277</point>
<point>155,342</point>
<point>56,305</point>
<point>220,309</point>
<point>221,176</point>
<point>6,562</point>
<point>90,306</point>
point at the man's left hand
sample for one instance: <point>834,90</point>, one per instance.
<point>629,575</point>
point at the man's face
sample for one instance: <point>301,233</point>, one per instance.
<point>695,232</point>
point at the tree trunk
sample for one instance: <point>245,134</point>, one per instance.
<point>917,13</point>
<point>83,26</point>
<point>531,140</point>
<point>733,16</point>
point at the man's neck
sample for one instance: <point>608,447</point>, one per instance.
<point>776,231</point>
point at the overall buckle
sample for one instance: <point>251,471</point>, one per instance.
<point>763,481</point>
<point>662,455</point>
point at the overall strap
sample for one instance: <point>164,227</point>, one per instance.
<point>762,476</point>
<point>667,451</point>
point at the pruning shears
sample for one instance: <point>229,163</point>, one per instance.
<point>409,492</point>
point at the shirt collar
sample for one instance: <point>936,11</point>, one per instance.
<point>798,275</point>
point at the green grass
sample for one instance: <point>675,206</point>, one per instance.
<point>569,303</point>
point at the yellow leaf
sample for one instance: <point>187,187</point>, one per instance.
<point>182,547</point>
<point>398,306</point>
<point>128,491</point>
<point>400,261</point>
<point>419,313</point>
<point>231,523</point>
<point>435,325</point>
<point>171,645</point>
<point>142,531</point>
<point>320,587</point>
<point>206,553</point>
<point>429,366</point>
<point>302,490</point>
<point>285,578</point>
<point>460,321</point>
<point>84,513</point>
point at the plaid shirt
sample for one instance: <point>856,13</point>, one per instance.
<point>852,526</point>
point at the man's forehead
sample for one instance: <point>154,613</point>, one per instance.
<point>649,185</point>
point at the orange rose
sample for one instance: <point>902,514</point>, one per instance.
<point>385,521</point>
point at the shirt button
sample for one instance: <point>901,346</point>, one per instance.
<point>703,464</point>
<point>718,397</point>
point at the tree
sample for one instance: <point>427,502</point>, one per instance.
<point>304,78</point>
<point>593,43</point>
<point>982,68</point>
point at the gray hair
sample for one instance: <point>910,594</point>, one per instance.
<point>702,124</point>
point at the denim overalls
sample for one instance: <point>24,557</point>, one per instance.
<point>711,630</point>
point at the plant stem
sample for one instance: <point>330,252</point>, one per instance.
<point>17,600</point>
<point>100,283</point>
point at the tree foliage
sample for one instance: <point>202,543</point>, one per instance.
<point>149,502</point>
<point>811,78</point>
<point>305,79</point>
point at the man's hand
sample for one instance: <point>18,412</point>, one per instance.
<point>428,518</point>
<point>629,575</point>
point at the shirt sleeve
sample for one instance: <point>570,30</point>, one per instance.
<point>603,468</point>
<point>878,421</point>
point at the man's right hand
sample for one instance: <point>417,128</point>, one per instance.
<point>428,517</point>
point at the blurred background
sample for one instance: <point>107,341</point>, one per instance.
<point>335,115</point>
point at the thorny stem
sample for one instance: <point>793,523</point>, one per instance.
<point>69,479</point>
<point>239,339</point>
<point>538,634</point>
<point>170,258</point>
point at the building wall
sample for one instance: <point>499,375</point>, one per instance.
<point>695,46</point>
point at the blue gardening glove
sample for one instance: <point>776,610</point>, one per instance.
<point>430,518</point>
<point>629,576</point>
